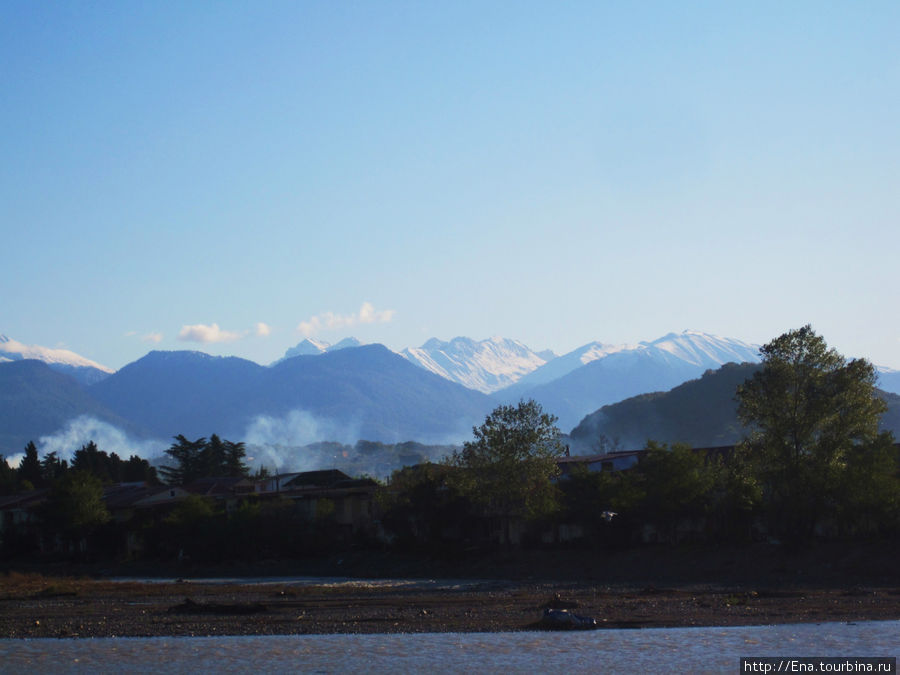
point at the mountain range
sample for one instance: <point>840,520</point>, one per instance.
<point>347,391</point>
<point>368,392</point>
<point>582,381</point>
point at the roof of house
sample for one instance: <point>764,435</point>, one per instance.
<point>23,500</point>
<point>214,486</point>
<point>322,478</point>
<point>605,457</point>
<point>126,495</point>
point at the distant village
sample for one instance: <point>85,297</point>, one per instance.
<point>610,500</point>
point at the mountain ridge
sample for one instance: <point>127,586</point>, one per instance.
<point>65,361</point>
<point>368,388</point>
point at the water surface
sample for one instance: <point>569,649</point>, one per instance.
<point>645,650</point>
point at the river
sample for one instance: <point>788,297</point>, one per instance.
<point>645,650</point>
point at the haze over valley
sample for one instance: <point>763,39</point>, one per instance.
<point>312,407</point>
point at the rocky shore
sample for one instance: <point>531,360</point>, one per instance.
<point>32,607</point>
<point>501,593</point>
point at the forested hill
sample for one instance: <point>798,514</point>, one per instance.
<point>701,413</point>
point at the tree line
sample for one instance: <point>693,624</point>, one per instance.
<point>74,509</point>
<point>34,473</point>
<point>812,464</point>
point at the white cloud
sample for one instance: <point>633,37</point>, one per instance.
<point>331,321</point>
<point>263,330</point>
<point>203,333</point>
<point>155,337</point>
<point>368,314</point>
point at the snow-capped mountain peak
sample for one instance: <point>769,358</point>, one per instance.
<point>484,365</point>
<point>14,350</point>
<point>307,347</point>
<point>704,349</point>
<point>82,369</point>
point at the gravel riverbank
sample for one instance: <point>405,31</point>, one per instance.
<point>499,591</point>
<point>33,606</point>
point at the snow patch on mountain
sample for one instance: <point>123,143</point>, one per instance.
<point>565,364</point>
<point>485,365</point>
<point>12,350</point>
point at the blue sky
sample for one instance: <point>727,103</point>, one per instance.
<point>552,172</point>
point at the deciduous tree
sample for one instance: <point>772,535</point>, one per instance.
<point>813,416</point>
<point>75,506</point>
<point>509,467</point>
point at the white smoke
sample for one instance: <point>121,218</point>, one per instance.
<point>14,460</point>
<point>83,429</point>
<point>272,442</point>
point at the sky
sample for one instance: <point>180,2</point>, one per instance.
<point>235,176</point>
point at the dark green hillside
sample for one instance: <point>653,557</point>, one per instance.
<point>891,418</point>
<point>701,413</point>
<point>36,400</point>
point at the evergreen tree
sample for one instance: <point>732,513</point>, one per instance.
<point>30,467</point>
<point>53,468</point>
<point>9,479</point>
<point>213,457</point>
<point>138,469</point>
<point>189,461</point>
<point>90,459</point>
<point>235,455</point>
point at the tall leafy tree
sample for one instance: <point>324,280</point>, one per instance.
<point>813,415</point>
<point>509,466</point>
<point>75,506</point>
<point>677,483</point>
